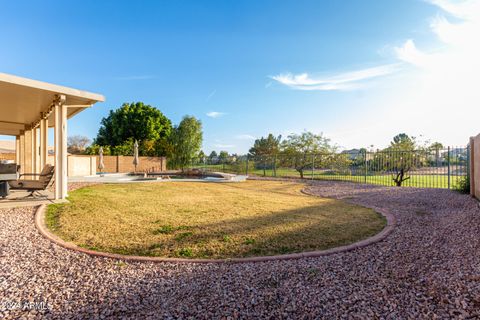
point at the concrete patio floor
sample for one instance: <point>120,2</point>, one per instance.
<point>19,199</point>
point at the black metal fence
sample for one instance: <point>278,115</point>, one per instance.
<point>429,168</point>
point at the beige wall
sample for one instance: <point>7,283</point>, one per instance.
<point>51,160</point>
<point>77,165</point>
<point>80,165</point>
<point>7,156</point>
<point>475,166</point>
<point>115,164</point>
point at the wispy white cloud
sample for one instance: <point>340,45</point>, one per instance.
<point>461,9</point>
<point>224,146</point>
<point>215,114</point>
<point>135,77</point>
<point>210,96</point>
<point>461,38</point>
<point>245,137</point>
<point>342,81</point>
<point>409,53</point>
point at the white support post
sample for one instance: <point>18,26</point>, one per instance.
<point>28,152</point>
<point>60,147</point>
<point>35,155</point>
<point>43,141</point>
<point>31,161</point>
<point>21,152</point>
<point>17,149</point>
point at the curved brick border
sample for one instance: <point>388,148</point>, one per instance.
<point>40,224</point>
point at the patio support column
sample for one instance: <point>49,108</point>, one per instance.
<point>60,147</point>
<point>21,160</point>
<point>17,149</point>
<point>28,155</point>
<point>36,151</point>
<point>32,151</point>
<point>43,141</point>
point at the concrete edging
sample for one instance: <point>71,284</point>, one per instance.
<point>42,228</point>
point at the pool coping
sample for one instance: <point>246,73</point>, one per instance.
<point>387,230</point>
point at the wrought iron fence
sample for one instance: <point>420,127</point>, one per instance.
<point>427,168</point>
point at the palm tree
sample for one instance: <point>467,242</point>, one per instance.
<point>437,146</point>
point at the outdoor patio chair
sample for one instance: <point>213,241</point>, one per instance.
<point>45,178</point>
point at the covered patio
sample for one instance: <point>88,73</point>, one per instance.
<point>28,108</point>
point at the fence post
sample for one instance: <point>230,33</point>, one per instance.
<point>246,166</point>
<point>275,165</point>
<point>264,167</point>
<point>366,168</point>
<point>313,165</point>
<point>448,166</point>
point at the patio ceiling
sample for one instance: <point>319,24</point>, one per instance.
<point>23,100</point>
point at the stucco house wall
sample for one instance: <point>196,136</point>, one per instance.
<point>475,166</point>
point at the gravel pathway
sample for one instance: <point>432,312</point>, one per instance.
<point>429,267</point>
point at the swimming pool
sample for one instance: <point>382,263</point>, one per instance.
<point>130,178</point>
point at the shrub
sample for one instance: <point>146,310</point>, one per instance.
<point>463,185</point>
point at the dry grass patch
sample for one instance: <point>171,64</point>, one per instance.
<point>208,220</point>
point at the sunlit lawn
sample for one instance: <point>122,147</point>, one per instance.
<point>208,220</point>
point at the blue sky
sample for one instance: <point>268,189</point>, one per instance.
<point>358,71</point>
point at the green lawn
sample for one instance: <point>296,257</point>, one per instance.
<point>208,220</point>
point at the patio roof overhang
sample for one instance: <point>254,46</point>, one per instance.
<point>23,101</point>
<point>27,109</point>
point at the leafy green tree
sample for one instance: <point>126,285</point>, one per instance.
<point>186,140</point>
<point>213,157</point>
<point>147,148</point>
<point>163,147</point>
<point>265,146</point>
<point>223,156</point>
<point>124,149</point>
<point>337,163</point>
<point>401,157</point>
<point>135,121</point>
<point>299,149</point>
<point>94,148</point>
<point>264,149</point>
<point>201,156</point>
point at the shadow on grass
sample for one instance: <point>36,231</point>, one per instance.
<point>309,228</point>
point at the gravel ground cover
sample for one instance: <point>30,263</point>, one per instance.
<point>428,268</point>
